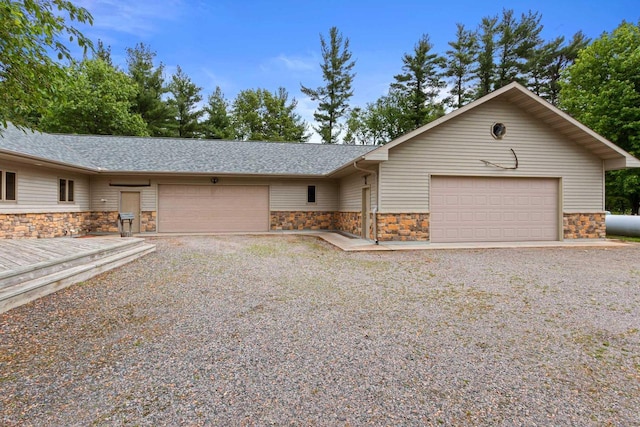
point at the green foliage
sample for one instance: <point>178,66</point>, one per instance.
<point>602,90</point>
<point>486,70</point>
<point>259,115</point>
<point>185,96</point>
<point>380,122</point>
<point>103,53</point>
<point>420,84</point>
<point>151,86</point>
<point>334,96</point>
<point>460,66</point>
<point>218,122</point>
<point>29,31</point>
<point>517,41</point>
<point>559,60</point>
<point>94,98</point>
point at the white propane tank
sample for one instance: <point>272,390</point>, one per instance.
<point>623,225</point>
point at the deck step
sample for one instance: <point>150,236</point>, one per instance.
<point>44,268</point>
<point>56,278</point>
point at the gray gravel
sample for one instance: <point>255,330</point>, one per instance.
<point>286,330</point>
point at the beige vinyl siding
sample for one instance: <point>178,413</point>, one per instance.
<point>351,191</point>
<point>284,194</point>
<point>37,190</point>
<point>292,196</point>
<point>458,146</point>
<point>106,198</point>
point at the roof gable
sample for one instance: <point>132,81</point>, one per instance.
<point>613,156</point>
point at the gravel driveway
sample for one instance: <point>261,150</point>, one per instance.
<point>287,330</point>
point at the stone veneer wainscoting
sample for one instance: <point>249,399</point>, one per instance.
<point>403,227</point>
<point>298,220</point>
<point>584,225</point>
<point>44,225</point>
<point>148,221</point>
<point>349,222</point>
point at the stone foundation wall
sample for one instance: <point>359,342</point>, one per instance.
<point>584,226</point>
<point>349,222</point>
<point>104,222</point>
<point>148,222</point>
<point>298,220</point>
<point>403,227</point>
<point>44,225</point>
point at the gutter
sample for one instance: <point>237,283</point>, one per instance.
<point>374,210</point>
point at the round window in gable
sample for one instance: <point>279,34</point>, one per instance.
<point>498,130</point>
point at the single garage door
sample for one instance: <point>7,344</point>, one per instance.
<point>478,209</point>
<point>212,208</point>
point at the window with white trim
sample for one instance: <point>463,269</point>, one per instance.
<point>8,184</point>
<point>66,190</point>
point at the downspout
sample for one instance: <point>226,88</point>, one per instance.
<point>374,210</point>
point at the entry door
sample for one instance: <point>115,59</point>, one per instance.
<point>366,207</point>
<point>130,202</point>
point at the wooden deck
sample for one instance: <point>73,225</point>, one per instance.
<point>32,268</point>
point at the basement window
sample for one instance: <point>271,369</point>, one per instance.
<point>66,190</point>
<point>7,186</point>
<point>311,194</point>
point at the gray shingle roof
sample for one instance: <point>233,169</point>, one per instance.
<point>133,154</point>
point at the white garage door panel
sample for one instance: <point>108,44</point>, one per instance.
<point>212,209</point>
<point>472,209</point>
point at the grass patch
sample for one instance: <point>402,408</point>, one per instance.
<point>623,238</point>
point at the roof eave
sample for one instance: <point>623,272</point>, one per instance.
<point>211,173</point>
<point>41,161</point>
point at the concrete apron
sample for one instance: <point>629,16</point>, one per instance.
<point>352,243</point>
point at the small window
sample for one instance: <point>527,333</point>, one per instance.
<point>498,130</point>
<point>8,186</point>
<point>311,194</point>
<point>65,190</point>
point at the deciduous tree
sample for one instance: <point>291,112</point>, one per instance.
<point>94,98</point>
<point>30,31</point>
<point>602,90</point>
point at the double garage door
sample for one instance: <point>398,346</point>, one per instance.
<point>478,209</point>
<point>212,208</point>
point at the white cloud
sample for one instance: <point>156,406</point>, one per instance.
<point>297,63</point>
<point>137,17</point>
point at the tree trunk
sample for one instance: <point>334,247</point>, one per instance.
<point>635,204</point>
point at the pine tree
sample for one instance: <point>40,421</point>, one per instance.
<point>103,53</point>
<point>563,59</point>
<point>259,115</point>
<point>148,102</point>
<point>517,42</point>
<point>460,65</point>
<point>218,122</point>
<point>334,96</point>
<point>185,96</point>
<point>420,83</point>
<point>486,64</point>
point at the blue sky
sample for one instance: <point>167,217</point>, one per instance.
<point>267,44</point>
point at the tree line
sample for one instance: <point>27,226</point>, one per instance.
<point>502,49</point>
<point>596,82</point>
<point>96,97</point>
